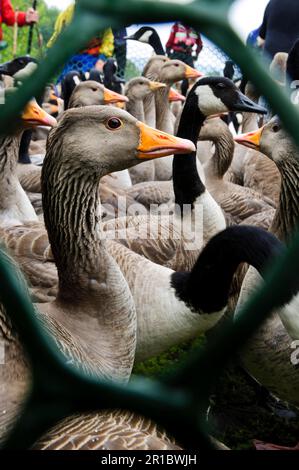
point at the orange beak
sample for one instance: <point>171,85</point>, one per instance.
<point>111,97</point>
<point>154,86</point>
<point>251,139</point>
<point>53,97</point>
<point>33,115</point>
<point>192,73</point>
<point>154,143</point>
<point>175,96</point>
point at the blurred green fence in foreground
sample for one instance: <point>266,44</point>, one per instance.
<point>178,401</point>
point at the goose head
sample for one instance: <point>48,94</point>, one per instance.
<point>68,84</point>
<point>140,87</point>
<point>13,66</point>
<point>175,70</point>
<point>212,128</point>
<point>102,139</point>
<point>153,66</point>
<point>144,34</point>
<point>216,95</point>
<point>32,115</point>
<point>271,140</point>
<point>148,35</point>
<point>92,93</point>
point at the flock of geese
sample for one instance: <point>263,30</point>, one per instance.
<point>111,301</point>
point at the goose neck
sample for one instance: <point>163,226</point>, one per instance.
<point>156,44</point>
<point>8,167</point>
<point>286,217</point>
<point>206,289</point>
<point>136,108</point>
<point>187,184</point>
<point>219,164</point>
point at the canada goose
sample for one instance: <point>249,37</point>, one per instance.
<point>68,84</point>
<point>171,72</point>
<point>137,90</point>
<point>268,354</point>
<point>93,317</point>
<point>13,66</point>
<point>111,80</point>
<point>237,201</point>
<point>208,96</point>
<point>148,35</point>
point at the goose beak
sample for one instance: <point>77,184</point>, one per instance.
<point>251,139</point>
<point>245,104</point>
<point>111,97</point>
<point>129,37</point>
<point>192,73</point>
<point>175,96</point>
<point>154,143</point>
<point>33,115</point>
<point>4,69</point>
<point>154,86</point>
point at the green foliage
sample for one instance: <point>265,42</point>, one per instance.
<point>46,26</point>
<point>131,70</point>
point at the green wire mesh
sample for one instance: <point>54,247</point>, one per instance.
<point>177,402</point>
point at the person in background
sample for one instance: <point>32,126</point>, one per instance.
<point>120,50</point>
<point>181,43</point>
<point>96,52</point>
<point>280,27</point>
<point>9,17</point>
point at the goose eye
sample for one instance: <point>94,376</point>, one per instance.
<point>113,123</point>
<point>221,85</point>
<point>275,128</point>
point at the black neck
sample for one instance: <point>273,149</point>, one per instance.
<point>206,289</point>
<point>156,44</point>
<point>187,184</point>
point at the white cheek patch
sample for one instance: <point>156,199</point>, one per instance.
<point>146,36</point>
<point>76,80</point>
<point>209,103</point>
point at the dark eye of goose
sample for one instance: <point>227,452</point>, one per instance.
<point>113,123</point>
<point>276,128</point>
<point>94,89</point>
<point>220,85</point>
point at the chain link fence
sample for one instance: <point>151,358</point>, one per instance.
<point>211,60</point>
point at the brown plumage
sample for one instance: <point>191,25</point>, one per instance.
<point>237,201</point>
<point>267,355</point>
<point>93,317</point>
